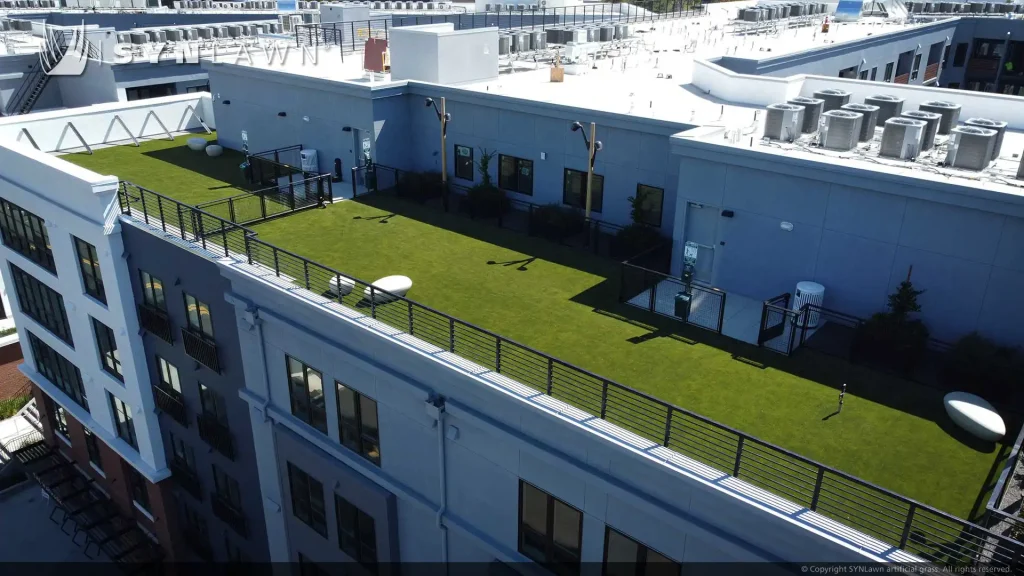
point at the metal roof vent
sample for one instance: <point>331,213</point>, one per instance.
<point>932,118</point>
<point>950,112</point>
<point>840,129</point>
<point>867,126</point>
<point>812,111</point>
<point>997,125</point>
<point>889,106</point>
<point>901,138</point>
<point>783,122</point>
<point>834,98</point>
<point>970,147</point>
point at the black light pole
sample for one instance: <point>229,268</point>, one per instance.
<point>593,146</point>
<point>442,117</point>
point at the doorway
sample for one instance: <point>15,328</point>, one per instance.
<point>701,234</point>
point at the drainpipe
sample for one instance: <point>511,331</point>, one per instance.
<point>435,407</point>
<point>258,323</point>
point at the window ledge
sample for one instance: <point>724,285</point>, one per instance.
<point>145,512</point>
<point>97,469</point>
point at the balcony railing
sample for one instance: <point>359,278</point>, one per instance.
<point>187,479</point>
<point>201,349</point>
<point>217,435</point>
<point>902,79</point>
<point>931,71</point>
<point>199,543</point>
<point>229,514</point>
<point>155,322</point>
<point>170,402</point>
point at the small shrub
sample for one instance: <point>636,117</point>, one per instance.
<point>420,186</point>
<point>634,239</point>
<point>486,201</point>
<point>892,339</point>
<point>977,364</point>
<point>8,331</point>
<point>557,222</point>
<point>10,406</point>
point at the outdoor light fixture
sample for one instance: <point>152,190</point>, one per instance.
<point>444,118</point>
<point>227,102</point>
<point>282,114</point>
<point>593,146</point>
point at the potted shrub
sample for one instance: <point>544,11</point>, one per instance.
<point>894,339</point>
<point>485,199</point>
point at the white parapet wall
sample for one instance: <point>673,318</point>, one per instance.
<point>113,123</point>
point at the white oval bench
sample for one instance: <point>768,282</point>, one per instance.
<point>197,144</point>
<point>975,415</point>
<point>397,285</point>
<point>346,286</point>
<point>213,150</point>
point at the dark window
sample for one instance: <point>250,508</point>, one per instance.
<point>194,526</point>
<point>107,344</point>
<point>25,233</point>
<point>198,314</point>
<point>226,488</point>
<point>93,448</point>
<point>850,72</point>
<point>307,499</point>
<point>464,162</point>
<point>307,394</point>
<point>515,174</point>
<point>89,263</point>
<point>356,534</point>
<point>123,421</point>
<point>624,556</point>
<point>151,91</point>
<point>42,304</point>
<point>59,420</point>
<point>874,73</point>
<point>650,201</point>
<point>357,423</point>
<point>863,74</point>
<point>183,456</point>
<point>945,56</point>
<point>917,66</point>
<point>168,375</point>
<point>58,370</point>
<point>550,530</point>
<point>574,191</point>
<point>212,404</point>
<point>888,72</point>
<point>309,568</point>
<point>152,291</point>
<point>200,88</point>
<point>139,487</point>
<point>960,56</point>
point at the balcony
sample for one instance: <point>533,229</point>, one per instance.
<point>216,435</point>
<point>982,67</point>
<point>156,322</point>
<point>187,479</point>
<point>201,349</point>
<point>229,514</point>
<point>199,543</point>
<point>170,402</point>
<point>931,71</point>
<point>902,79</point>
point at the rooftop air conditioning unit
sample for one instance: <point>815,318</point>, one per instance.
<point>138,37</point>
<point>174,36</point>
<point>932,118</point>
<point>970,147</point>
<point>205,33</point>
<point>123,38</point>
<point>840,129</point>
<point>870,122</point>
<point>889,106</point>
<point>784,122</point>
<point>950,112</point>
<point>997,125</point>
<point>812,111</point>
<point>834,99</point>
<point>901,138</point>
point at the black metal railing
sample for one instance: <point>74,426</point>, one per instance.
<point>252,207</point>
<point>217,435</point>
<point>170,402</point>
<point>229,514</point>
<point>156,322</point>
<point>201,348</point>
<point>348,36</point>
<point>542,18</point>
<point>198,542</point>
<point>889,517</point>
<point>186,478</point>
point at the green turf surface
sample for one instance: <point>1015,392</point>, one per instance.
<point>564,302</point>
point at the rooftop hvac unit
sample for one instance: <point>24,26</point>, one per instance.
<point>234,31</point>
<point>945,7</point>
<point>538,40</point>
<point>174,36</point>
<point>870,121</point>
<point>783,122</point>
<point>138,37</point>
<point>932,118</point>
<point>889,106</point>
<point>505,45</point>
<point>840,130</point>
<point>901,138</point>
<point>834,98</point>
<point>812,111</point>
<point>970,147</point>
<point>554,35</point>
<point>997,125</point>
<point>950,112</point>
<point>205,33</point>
<point>191,34</point>
<point>607,33</point>
<point>977,7</point>
<point>122,37</point>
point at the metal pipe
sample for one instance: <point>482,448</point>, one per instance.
<point>442,468</point>
<point>263,360</point>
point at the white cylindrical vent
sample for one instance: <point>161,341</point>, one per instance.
<point>809,293</point>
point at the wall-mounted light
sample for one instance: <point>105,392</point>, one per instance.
<point>227,102</point>
<point>305,118</point>
<point>727,213</point>
<point>346,129</point>
<point>282,114</point>
<point>787,226</point>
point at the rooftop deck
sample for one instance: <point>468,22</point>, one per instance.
<point>563,302</point>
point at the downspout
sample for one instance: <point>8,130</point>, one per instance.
<point>442,468</point>
<point>258,322</point>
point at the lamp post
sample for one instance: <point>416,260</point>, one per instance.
<point>593,146</point>
<point>442,117</point>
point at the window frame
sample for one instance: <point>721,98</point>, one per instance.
<point>168,378</point>
<point>353,526</point>
<point>150,291</point>
<point>186,456</point>
<point>124,424</point>
<point>196,325</point>
<point>915,67</point>
<point>106,344</point>
<point>60,371</point>
<point>92,449</point>
<point>519,163</point>
<point>300,395</point>
<point>89,269</point>
<point>59,421</point>
<point>888,71</point>
<point>661,206</point>
<point>138,489</point>
<point>25,233</point>
<point>300,485</point>
<point>642,552</point>
<point>352,429</point>
<point>550,560</point>
<point>874,73</point>
<point>960,54</point>
<point>597,203</point>
<point>212,405</point>
<point>461,164</point>
<point>226,488</point>
<point>41,303</point>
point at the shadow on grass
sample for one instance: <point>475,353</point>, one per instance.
<point>225,167</point>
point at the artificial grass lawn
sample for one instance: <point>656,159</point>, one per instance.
<point>564,302</point>
<point>171,168</point>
